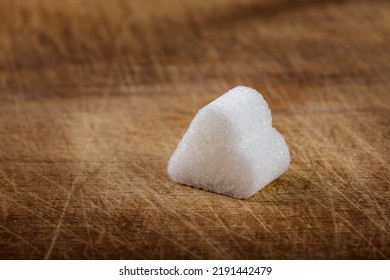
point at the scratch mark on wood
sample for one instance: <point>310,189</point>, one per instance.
<point>59,224</point>
<point>20,238</point>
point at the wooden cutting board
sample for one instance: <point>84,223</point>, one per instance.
<point>95,96</point>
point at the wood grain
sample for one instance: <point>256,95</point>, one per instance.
<point>95,96</point>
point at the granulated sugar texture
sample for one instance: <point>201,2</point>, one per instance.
<point>231,147</point>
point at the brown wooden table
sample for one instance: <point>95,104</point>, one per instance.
<point>95,96</point>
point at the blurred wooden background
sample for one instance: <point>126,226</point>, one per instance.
<point>95,96</point>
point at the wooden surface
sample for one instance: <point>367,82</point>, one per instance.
<point>95,96</point>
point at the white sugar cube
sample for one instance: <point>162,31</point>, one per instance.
<point>231,147</point>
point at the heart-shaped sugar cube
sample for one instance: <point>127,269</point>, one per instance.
<point>231,147</point>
